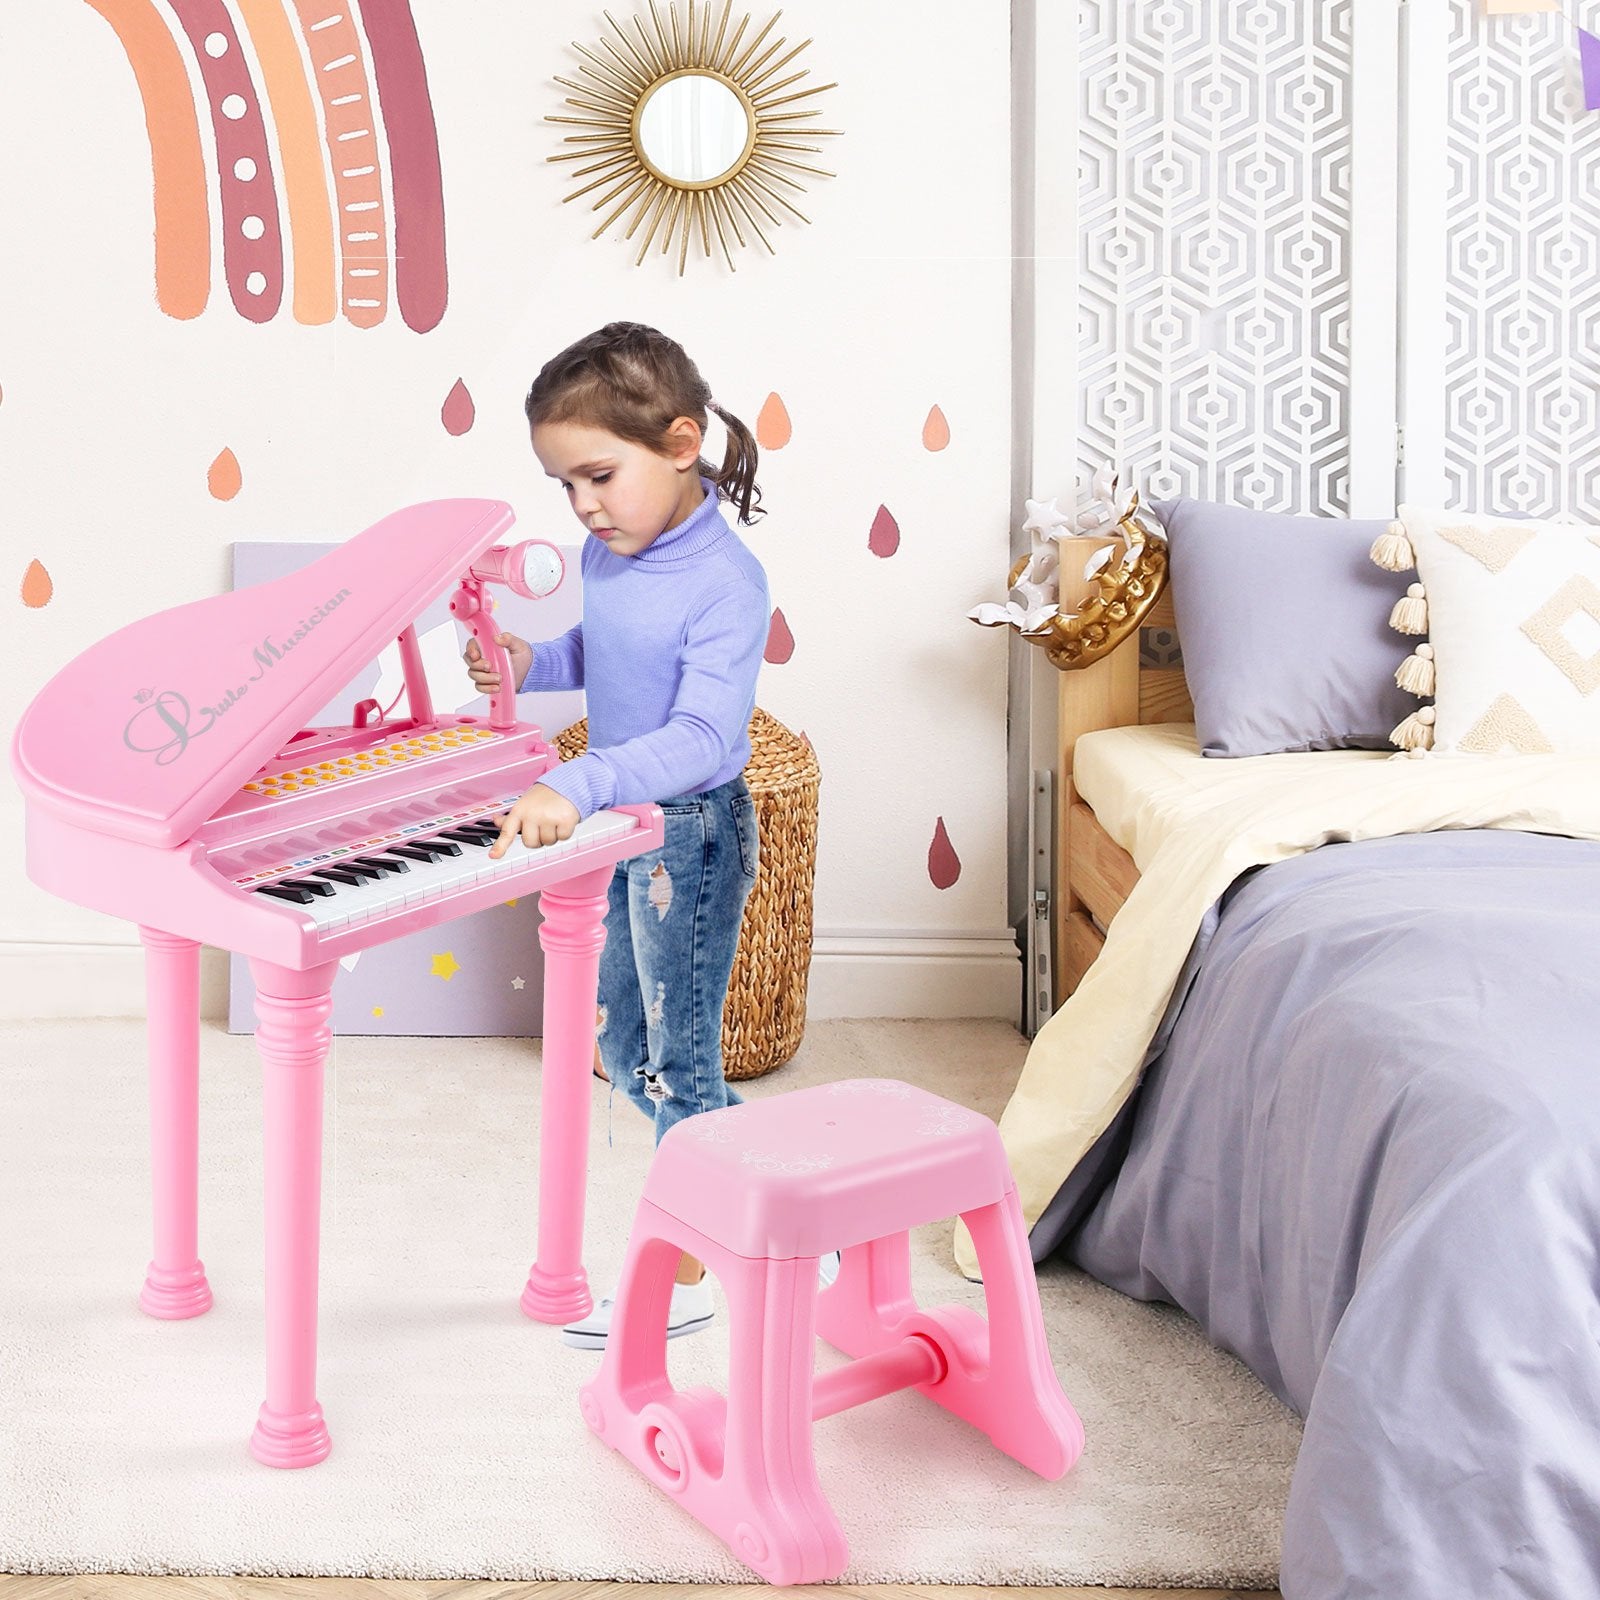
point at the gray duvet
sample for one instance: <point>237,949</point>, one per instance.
<point>1367,1160</point>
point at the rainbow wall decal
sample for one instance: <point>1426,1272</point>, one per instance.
<point>328,84</point>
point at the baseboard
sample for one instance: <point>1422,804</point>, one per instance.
<point>881,975</point>
<point>915,975</point>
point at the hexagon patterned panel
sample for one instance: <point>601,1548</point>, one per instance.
<point>1522,297</point>
<point>1214,208</point>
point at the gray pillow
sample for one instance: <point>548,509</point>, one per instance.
<point>1283,622</point>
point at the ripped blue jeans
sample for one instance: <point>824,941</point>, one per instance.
<point>671,929</point>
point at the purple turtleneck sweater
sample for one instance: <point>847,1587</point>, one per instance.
<point>667,656</point>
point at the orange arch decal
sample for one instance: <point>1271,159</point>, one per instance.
<point>183,223</point>
<point>300,150</point>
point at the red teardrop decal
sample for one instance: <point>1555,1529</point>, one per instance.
<point>944,865</point>
<point>780,642</point>
<point>935,431</point>
<point>773,428</point>
<point>223,477</point>
<point>458,412</point>
<point>884,539</point>
<point>36,585</point>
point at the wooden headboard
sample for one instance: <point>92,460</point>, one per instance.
<point>1093,872</point>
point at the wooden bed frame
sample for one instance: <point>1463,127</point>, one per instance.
<point>1094,874</point>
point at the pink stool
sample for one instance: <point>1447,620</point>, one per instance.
<point>758,1192</point>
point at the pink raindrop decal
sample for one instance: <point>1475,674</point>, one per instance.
<point>458,412</point>
<point>36,585</point>
<point>944,865</point>
<point>935,431</point>
<point>223,477</point>
<point>884,539</point>
<point>780,642</point>
<point>773,428</point>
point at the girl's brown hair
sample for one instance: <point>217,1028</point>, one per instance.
<point>634,382</point>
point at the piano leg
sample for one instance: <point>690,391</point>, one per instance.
<point>292,1036</point>
<point>571,934</point>
<point>175,1283</point>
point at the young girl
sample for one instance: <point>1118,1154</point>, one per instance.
<point>675,617</point>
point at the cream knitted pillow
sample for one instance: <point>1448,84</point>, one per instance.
<point>1511,611</point>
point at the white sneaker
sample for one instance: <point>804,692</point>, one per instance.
<point>691,1310</point>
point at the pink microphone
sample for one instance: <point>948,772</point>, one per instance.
<point>532,569</point>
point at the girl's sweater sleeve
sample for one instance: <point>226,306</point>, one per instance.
<point>723,646</point>
<point>557,663</point>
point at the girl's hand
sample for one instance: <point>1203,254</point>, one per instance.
<point>541,816</point>
<point>484,678</point>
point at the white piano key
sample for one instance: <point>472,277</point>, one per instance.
<point>352,905</point>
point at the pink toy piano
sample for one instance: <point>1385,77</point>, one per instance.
<point>169,779</point>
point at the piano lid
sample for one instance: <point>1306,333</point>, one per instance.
<point>145,734</point>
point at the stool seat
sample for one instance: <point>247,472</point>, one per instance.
<point>824,1168</point>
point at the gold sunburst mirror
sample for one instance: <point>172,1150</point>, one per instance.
<point>689,130</point>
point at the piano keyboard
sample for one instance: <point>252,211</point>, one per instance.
<point>344,888</point>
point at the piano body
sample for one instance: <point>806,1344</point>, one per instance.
<point>169,780</point>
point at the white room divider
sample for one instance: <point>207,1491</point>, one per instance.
<point>1502,281</point>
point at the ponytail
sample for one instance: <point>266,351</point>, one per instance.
<point>736,477</point>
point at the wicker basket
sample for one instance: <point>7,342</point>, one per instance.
<point>765,1017</point>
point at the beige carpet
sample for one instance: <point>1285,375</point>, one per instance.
<point>457,1446</point>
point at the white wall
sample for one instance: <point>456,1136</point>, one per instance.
<point>896,298</point>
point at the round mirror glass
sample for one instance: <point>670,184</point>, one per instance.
<point>693,128</point>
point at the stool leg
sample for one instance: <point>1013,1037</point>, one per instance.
<point>742,1465</point>
<point>635,1360</point>
<point>999,1377</point>
<point>776,1517</point>
<point>1021,1404</point>
<point>862,1312</point>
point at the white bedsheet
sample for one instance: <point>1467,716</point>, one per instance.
<point>1144,784</point>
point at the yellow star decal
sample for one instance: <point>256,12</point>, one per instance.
<point>445,965</point>
<point>377,1011</point>
<point>508,902</point>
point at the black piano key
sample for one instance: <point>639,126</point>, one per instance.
<point>467,836</point>
<point>284,891</point>
<point>315,885</point>
<point>418,851</point>
<point>489,829</point>
<point>336,875</point>
<point>438,841</point>
<point>361,871</point>
<point>382,864</point>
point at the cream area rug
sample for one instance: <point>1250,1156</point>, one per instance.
<point>458,1450</point>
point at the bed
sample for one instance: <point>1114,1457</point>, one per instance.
<point>1326,1081</point>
